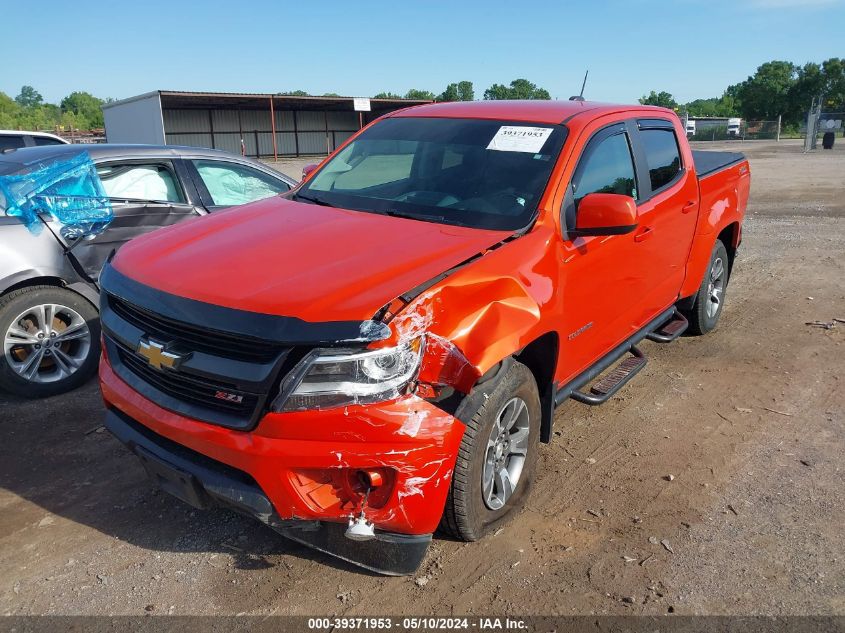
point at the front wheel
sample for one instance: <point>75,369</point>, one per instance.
<point>710,299</point>
<point>496,460</point>
<point>51,341</point>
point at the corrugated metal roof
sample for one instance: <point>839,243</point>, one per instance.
<point>187,97</point>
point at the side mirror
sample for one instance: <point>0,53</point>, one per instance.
<point>306,171</point>
<point>605,214</point>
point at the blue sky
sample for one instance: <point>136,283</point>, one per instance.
<point>692,48</point>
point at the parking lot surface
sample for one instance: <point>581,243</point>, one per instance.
<point>712,484</point>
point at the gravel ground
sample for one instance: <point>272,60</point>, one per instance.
<point>747,422</point>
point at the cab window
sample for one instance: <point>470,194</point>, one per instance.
<point>661,155</point>
<point>608,168</point>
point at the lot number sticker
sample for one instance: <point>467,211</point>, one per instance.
<point>514,138</point>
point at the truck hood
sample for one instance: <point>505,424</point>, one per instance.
<point>287,258</point>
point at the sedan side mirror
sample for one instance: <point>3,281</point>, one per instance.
<point>306,171</point>
<point>605,214</point>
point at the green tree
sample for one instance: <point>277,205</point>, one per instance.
<point>662,99</point>
<point>9,112</point>
<point>461,91</point>
<point>713,107</point>
<point>330,94</point>
<point>834,73</point>
<point>29,97</point>
<point>387,95</point>
<point>86,107</point>
<point>768,92</point>
<point>295,93</point>
<point>419,95</point>
<point>518,89</point>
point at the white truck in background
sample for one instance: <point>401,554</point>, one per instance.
<point>734,125</point>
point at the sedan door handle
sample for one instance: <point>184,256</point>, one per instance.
<point>689,206</point>
<point>643,234</point>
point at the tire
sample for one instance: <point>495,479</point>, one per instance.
<point>38,361</point>
<point>710,299</point>
<point>470,512</point>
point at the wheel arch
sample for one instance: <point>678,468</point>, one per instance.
<point>541,357</point>
<point>731,236</point>
<point>86,291</point>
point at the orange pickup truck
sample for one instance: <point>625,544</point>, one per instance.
<point>380,352</point>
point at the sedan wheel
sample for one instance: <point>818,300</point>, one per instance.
<point>51,341</point>
<point>46,343</point>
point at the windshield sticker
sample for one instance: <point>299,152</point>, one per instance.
<point>517,138</point>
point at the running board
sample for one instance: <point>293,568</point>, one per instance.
<point>670,330</point>
<point>605,388</point>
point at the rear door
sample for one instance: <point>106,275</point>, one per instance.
<point>667,211</point>
<point>145,194</point>
<point>223,183</point>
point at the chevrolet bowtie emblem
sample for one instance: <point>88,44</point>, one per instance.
<point>154,352</point>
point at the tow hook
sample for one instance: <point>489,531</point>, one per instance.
<point>359,528</point>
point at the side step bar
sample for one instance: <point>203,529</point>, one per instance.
<point>670,330</point>
<point>664,328</point>
<point>605,388</point>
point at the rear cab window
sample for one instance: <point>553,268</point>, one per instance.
<point>662,153</point>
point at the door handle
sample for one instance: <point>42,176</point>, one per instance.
<point>643,234</point>
<point>689,206</point>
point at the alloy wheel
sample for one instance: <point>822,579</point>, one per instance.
<point>47,343</point>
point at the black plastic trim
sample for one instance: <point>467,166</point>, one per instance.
<point>256,325</point>
<point>602,230</point>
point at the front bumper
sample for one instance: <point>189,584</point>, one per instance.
<point>285,471</point>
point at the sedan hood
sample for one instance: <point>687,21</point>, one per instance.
<point>294,259</point>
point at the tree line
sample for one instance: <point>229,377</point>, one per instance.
<point>28,111</point>
<point>777,88</point>
<point>464,91</point>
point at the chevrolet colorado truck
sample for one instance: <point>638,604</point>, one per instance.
<point>380,351</point>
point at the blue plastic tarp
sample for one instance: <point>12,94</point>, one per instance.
<point>68,189</point>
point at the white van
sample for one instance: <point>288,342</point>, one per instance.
<point>690,128</point>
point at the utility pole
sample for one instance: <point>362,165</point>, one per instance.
<point>778,136</point>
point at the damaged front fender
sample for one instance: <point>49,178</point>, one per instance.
<point>476,317</point>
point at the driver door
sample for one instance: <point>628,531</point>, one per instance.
<point>602,285</point>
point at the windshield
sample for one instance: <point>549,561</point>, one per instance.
<point>470,172</point>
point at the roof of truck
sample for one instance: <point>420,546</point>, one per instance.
<point>534,111</point>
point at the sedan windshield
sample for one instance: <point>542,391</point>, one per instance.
<point>469,172</point>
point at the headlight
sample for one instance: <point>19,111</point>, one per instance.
<point>335,378</point>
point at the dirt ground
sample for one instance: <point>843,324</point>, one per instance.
<point>712,484</point>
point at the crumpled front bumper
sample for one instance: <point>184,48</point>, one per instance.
<point>296,471</point>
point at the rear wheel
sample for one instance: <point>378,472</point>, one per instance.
<point>710,299</point>
<point>51,341</point>
<point>498,453</point>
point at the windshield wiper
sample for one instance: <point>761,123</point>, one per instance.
<point>396,213</point>
<point>313,200</point>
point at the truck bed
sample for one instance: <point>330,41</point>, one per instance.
<point>707,162</point>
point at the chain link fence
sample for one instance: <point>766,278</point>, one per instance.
<point>750,130</point>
